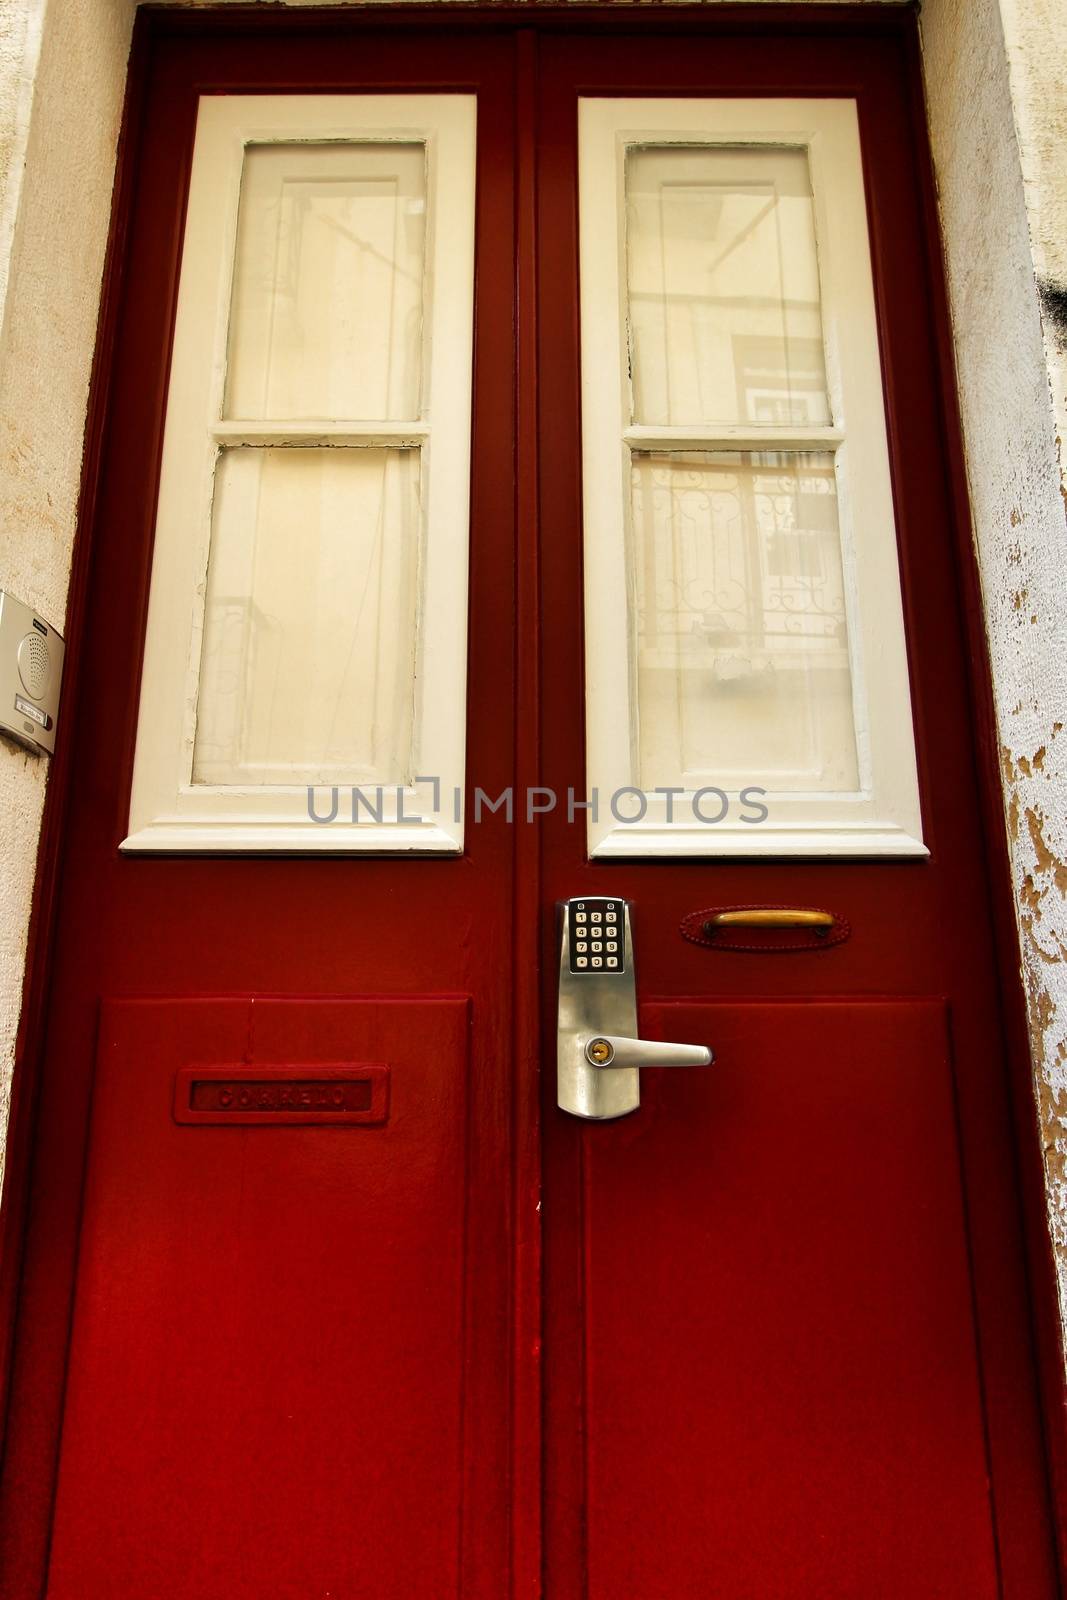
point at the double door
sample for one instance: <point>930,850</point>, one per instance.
<point>522,619</point>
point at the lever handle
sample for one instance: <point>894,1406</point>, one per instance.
<point>596,1023</point>
<point>608,1050</point>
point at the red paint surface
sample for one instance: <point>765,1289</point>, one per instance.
<point>266,1359</point>
<point>303,930</point>
<point>821,1469</point>
<point>778,1323</point>
<point>781,1343</point>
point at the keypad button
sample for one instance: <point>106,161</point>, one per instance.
<point>598,961</point>
<point>582,961</point>
<point>597,946</point>
<point>579,916</point>
<point>612,944</point>
<point>610,917</point>
<point>612,961</point>
<point>594,916</point>
<point>581,946</point>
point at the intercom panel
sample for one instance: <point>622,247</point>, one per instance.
<point>31,668</point>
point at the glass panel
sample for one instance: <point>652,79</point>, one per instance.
<point>326,317</point>
<point>743,672</point>
<point>723,278</point>
<point>308,662</point>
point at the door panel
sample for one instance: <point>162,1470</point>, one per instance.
<point>174,929</point>
<point>920,938</point>
<point>246,1370</point>
<point>778,1328</point>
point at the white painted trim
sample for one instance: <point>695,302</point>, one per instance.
<point>167,811</point>
<point>393,435</point>
<point>883,817</point>
<point>640,436</point>
<point>642,841</point>
<point>254,836</point>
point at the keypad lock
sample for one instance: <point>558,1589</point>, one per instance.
<point>598,1053</point>
<point>596,935</point>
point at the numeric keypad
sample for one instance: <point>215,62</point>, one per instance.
<point>597,939</point>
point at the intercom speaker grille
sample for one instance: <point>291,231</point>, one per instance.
<point>35,665</point>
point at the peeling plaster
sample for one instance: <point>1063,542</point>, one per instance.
<point>996,67</point>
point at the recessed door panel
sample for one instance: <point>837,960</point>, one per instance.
<point>265,1386</point>
<point>782,1390</point>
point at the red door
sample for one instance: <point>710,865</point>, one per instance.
<point>777,1296</point>
<point>322,1293</point>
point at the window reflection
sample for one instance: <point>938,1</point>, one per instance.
<point>742,639</point>
<point>723,284</point>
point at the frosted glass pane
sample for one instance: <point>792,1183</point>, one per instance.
<point>725,320</point>
<point>326,314</point>
<point>743,672</point>
<point>308,661</point>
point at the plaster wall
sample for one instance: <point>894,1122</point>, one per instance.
<point>997,119</point>
<point>20,42</point>
<point>1036,40</point>
<point>61,86</point>
<point>995,111</point>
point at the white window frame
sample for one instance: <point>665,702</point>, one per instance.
<point>882,818</point>
<point>168,812</point>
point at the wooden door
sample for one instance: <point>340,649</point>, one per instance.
<point>283,1327</point>
<point>286,1371</point>
<point>786,1350</point>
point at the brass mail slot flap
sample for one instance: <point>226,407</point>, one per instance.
<point>320,1093</point>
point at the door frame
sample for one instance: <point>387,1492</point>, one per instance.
<point>895,27</point>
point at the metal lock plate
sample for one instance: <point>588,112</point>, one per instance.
<point>598,1052</point>
<point>595,999</point>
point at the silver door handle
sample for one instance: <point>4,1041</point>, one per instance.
<point>607,1050</point>
<point>598,1053</point>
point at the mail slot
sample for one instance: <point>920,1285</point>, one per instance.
<point>335,1093</point>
